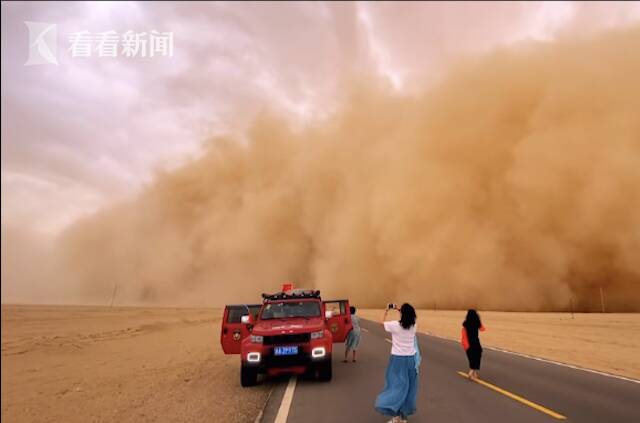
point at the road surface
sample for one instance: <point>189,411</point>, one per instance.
<point>543,391</point>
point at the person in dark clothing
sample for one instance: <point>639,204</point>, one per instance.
<point>471,341</point>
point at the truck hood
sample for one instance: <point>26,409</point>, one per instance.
<point>286,326</point>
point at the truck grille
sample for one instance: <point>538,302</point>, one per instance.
<point>301,359</point>
<point>299,338</point>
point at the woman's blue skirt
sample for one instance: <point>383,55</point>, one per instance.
<point>400,387</point>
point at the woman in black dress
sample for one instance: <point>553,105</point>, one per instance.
<point>471,341</point>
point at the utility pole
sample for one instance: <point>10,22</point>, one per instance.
<point>602,299</point>
<point>571,302</point>
<point>113,296</point>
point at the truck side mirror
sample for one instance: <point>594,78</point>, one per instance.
<point>247,319</point>
<point>328,314</point>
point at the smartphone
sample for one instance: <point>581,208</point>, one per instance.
<point>391,306</point>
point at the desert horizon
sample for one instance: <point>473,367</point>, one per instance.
<point>219,306</point>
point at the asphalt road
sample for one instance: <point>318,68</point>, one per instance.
<point>445,396</point>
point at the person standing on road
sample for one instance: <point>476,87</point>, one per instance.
<point>398,398</point>
<point>471,342</point>
<point>353,338</point>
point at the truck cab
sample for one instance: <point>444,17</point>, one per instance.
<point>292,331</point>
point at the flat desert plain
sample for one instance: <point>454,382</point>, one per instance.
<point>132,364</point>
<point>606,342</point>
<point>125,364</point>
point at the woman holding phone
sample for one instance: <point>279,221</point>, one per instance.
<point>398,398</point>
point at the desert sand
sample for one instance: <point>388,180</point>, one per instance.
<point>126,364</point>
<point>132,364</point>
<point>605,342</point>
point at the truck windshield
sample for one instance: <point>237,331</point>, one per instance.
<point>291,309</point>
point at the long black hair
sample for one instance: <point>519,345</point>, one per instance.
<point>472,321</point>
<point>407,316</point>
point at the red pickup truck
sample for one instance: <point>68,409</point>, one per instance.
<point>292,331</point>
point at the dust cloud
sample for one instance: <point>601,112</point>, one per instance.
<point>512,184</point>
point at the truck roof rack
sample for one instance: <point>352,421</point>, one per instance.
<point>292,294</point>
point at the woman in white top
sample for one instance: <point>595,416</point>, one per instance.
<point>398,398</point>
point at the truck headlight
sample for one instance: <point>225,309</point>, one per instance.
<point>318,352</point>
<point>253,357</point>
<point>317,335</point>
<point>257,339</point>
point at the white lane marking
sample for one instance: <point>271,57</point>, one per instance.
<point>544,360</point>
<point>365,330</point>
<point>285,405</point>
<point>571,366</point>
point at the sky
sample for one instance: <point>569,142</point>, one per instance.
<point>92,131</point>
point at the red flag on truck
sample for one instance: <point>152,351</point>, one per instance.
<point>287,286</point>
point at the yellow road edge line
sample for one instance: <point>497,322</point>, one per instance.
<point>517,398</point>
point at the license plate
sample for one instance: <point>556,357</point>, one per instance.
<point>285,350</point>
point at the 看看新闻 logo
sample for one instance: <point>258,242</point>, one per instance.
<point>43,43</point>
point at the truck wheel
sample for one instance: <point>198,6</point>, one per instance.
<point>324,371</point>
<point>248,376</point>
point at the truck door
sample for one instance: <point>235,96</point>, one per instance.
<point>233,331</point>
<point>340,322</point>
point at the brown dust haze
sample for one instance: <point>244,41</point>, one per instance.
<point>513,184</point>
